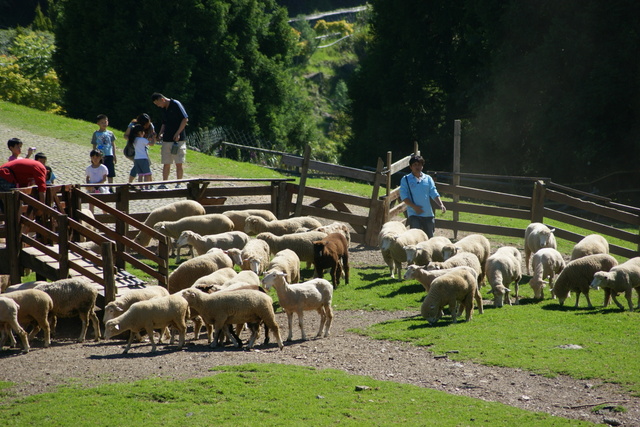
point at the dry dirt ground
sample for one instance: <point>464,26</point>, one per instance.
<point>92,363</point>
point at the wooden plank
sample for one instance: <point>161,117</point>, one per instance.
<point>330,168</point>
<point>608,212</point>
<point>335,196</point>
<point>592,226</point>
<point>334,215</point>
<point>489,210</point>
<point>480,228</point>
<point>485,195</point>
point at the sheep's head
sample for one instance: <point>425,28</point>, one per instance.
<point>434,265</point>
<point>250,224</point>
<point>537,285</point>
<point>111,311</point>
<point>448,251</point>
<point>410,250</point>
<point>600,279</point>
<point>500,295</point>
<point>111,329</point>
<point>274,277</point>
<point>431,313</point>
<point>411,271</point>
<point>184,238</point>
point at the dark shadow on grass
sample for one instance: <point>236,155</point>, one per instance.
<point>407,290</point>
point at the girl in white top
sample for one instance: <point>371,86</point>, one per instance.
<point>96,173</point>
<point>141,163</point>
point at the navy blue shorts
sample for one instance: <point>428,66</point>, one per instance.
<point>425,223</point>
<point>141,167</point>
<point>108,162</point>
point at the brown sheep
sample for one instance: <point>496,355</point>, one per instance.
<point>332,252</point>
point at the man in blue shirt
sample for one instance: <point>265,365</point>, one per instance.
<point>416,190</point>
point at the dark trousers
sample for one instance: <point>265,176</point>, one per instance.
<point>425,223</point>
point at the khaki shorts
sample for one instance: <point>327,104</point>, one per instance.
<point>168,158</point>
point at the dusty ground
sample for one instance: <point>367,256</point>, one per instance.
<point>93,363</point>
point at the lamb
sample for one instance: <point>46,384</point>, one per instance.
<point>253,256</point>
<point>245,276</point>
<point>336,227</point>
<point>459,285</point>
<point>35,306</point>
<point>121,304</point>
<point>300,243</point>
<point>504,267</point>
<point>578,275</point>
<point>170,212</point>
<point>425,252</point>
<point>474,243</point>
<point>201,244</point>
<point>589,245</point>
<point>622,278</point>
<point>73,297</point>
<point>157,313</point>
<point>395,244</point>
<point>239,217</point>
<point>201,224</point>
<point>390,230</point>
<point>286,261</point>
<point>332,252</point>
<point>315,294</point>
<point>9,321</point>
<point>227,308</point>
<point>547,262</point>
<point>536,237</point>
<point>255,225</point>
<point>461,259</point>
<point>218,277</point>
<point>191,270</point>
<point>426,277</point>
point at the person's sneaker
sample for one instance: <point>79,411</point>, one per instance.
<point>162,187</point>
<point>178,185</point>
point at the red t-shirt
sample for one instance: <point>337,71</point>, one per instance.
<point>24,173</point>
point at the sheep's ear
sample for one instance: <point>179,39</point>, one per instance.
<point>120,309</point>
<point>553,230</point>
<point>507,290</point>
<point>116,327</point>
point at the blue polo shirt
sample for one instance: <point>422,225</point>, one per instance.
<point>422,189</point>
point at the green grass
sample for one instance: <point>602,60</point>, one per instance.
<point>270,394</point>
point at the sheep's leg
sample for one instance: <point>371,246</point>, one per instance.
<point>128,346</point>
<point>468,307</point>
<point>527,255</point>
<point>577,299</point>
<point>266,335</point>
<point>398,268</point>
<point>255,329</point>
<point>628,296</point>
<point>386,255</point>
<point>290,320</point>
<point>478,299</point>
<point>614,296</point>
<point>233,336</point>
<point>453,305</point>
<point>96,325</point>
<point>85,325</point>
<point>345,268</point>
<point>216,335</point>
<point>607,297</point>
<point>22,334</point>
<point>329,313</point>
<point>271,323</point>
<point>181,326</point>
<point>301,324</point>
<point>638,292</point>
<point>586,295</point>
<point>197,327</point>
<point>152,338</point>
<point>323,319</point>
<point>53,321</point>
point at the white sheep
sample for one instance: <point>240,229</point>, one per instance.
<point>622,278</point>
<point>336,227</point>
<point>578,274</point>
<point>239,217</point>
<point>253,256</point>
<point>288,262</point>
<point>315,294</point>
<point>218,277</point>
<point>458,260</point>
<point>35,306</point>
<point>390,230</point>
<point>228,308</point>
<point>502,268</point>
<point>191,270</point>
<point>547,262</point>
<point>170,212</point>
<point>201,244</point>
<point>300,243</point>
<point>589,245</point>
<point>73,297</point>
<point>426,277</point>
<point>201,224</point>
<point>256,225</point>
<point>9,322</point>
<point>394,245</point>
<point>245,276</point>
<point>157,313</point>
<point>476,244</point>
<point>536,237</point>
<point>457,286</point>
<point>425,252</point>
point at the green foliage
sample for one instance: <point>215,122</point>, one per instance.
<point>277,394</point>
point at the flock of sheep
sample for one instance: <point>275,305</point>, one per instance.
<point>207,290</point>
<point>453,273</point>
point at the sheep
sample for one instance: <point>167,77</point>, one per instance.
<point>622,278</point>
<point>239,217</point>
<point>547,262</point>
<point>578,274</point>
<point>255,225</point>
<point>476,244</point>
<point>315,294</point>
<point>460,259</point>
<point>395,245</point>
<point>425,252</point>
<point>245,276</point>
<point>426,277</point>
<point>536,237</point>
<point>459,285</point>
<point>502,268</point>
<point>589,245</point>
<point>336,227</point>
<point>35,306</point>
<point>288,262</point>
<point>217,278</point>
<point>201,244</point>
<point>227,308</point>
<point>300,243</point>
<point>73,297</point>
<point>170,212</point>
<point>191,270</point>
<point>201,224</point>
<point>332,252</point>
<point>9,321</point>
<point>253,256</point>
<point>157,313</point>
<point>389,230</point>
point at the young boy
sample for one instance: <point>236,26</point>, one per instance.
<point>15,146</point>
<point>105,141</point>
<point>51,177</point>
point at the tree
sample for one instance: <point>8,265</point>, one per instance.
<point>226,61</point>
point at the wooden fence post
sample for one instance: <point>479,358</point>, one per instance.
<point>122,228</point>
<point>108,272</point>
<point>63,246</point>
<point>12,211</point>
<point>378,210</point>
<point>303,180</point>
<point>456,173</point>
<point>282,211</point>
<point>537,202</point>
